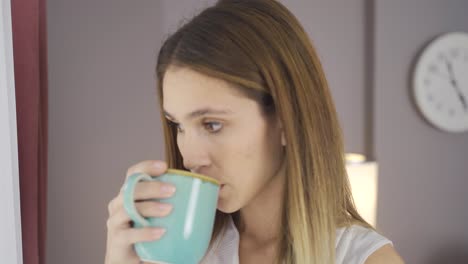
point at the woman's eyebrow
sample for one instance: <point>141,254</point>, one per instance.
<point>201,112</point>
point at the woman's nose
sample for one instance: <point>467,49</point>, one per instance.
<point>194,153</point>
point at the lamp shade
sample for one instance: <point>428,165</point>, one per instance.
<point>363,179</point>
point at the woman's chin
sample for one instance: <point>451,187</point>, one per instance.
<point>225,207</point>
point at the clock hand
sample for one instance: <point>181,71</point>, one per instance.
<point>454,84</point>
<point>451,74</point>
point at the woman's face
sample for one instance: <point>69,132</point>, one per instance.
<point>223,134</point>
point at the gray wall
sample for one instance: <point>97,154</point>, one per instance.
<point>104,117</point>
<point>423,203</point>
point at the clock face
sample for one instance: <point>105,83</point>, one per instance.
<point>440,82</point>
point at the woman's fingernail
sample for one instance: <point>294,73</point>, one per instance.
<point>158,232</point>
<point>168,189</point>
<point>165,207</point>
<point>158,165</point>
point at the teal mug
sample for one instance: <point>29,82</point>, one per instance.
<point>190,224</point>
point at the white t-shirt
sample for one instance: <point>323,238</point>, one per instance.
<point>353,245</point>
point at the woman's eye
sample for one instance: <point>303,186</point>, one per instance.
<point>213,127</point>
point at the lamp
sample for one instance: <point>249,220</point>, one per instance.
<point>362,176</point>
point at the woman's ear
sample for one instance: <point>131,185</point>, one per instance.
<point>283,137</point>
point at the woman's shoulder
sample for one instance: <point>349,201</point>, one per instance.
<point>385,255</point>
<point>357,244</point>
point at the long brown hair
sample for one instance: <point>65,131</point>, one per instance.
<point>260,47</point>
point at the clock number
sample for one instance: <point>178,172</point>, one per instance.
<point>427,82</point>
<point>451,112</point>
<point>454,52</point>
<point>433,68</point>
<point>440,57</point>
<point>430,98</point>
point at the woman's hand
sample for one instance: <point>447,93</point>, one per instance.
<point>120,234</point>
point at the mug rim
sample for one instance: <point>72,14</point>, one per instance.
<point>193,175</point>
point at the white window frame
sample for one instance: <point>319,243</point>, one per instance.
<point>10,219</point>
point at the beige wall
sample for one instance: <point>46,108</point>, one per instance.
<point>104,117</point>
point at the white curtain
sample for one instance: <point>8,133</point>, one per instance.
<point>10,220</point>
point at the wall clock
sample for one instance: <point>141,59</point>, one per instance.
<point>440,82</point>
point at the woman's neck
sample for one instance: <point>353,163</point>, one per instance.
<point>260,221</point>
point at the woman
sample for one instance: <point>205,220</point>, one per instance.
<point>244,99</point>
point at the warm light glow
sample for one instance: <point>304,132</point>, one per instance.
<point>363,179</point>
<point>355,158</point>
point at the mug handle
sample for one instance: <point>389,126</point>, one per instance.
<point>129,200</point>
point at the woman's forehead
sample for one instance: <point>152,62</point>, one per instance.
<point>185,87</point>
